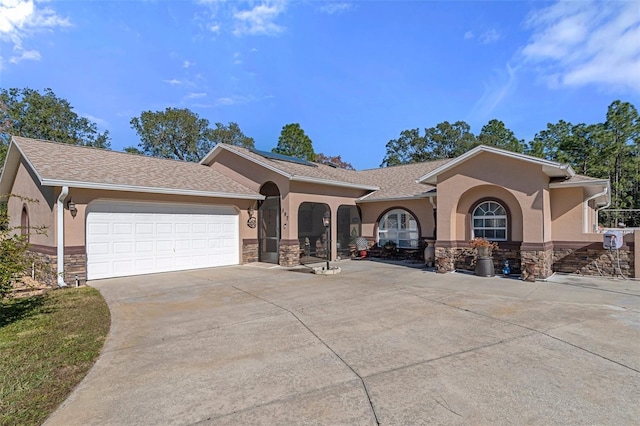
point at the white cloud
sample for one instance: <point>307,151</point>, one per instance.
<point>174,82</point>
<point>99,121</point>
<point>188,64</point>
<point>489,36</point>
<point>259,20</point>
<point>20,20</point>
<point>468,35</point>
<point>196,95</point>
<point>583,43</point>
<point>32,55</point>
<point>214,28</point>
<point>233,100</point>
<point>501,86</point>
<point>335,7</point>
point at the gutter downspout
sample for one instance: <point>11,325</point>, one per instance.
<point>585,210</point>
<point>60,232</point>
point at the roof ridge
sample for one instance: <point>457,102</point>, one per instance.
<point>406,164</point>
<point>97,149</point>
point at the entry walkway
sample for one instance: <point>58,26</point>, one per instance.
<point>376,344</point>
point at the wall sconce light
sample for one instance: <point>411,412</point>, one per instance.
<point>251,222</point>
<point>72,207</point>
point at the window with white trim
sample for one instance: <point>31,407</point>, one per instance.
<point>490,221</point>
<point>400,227</point>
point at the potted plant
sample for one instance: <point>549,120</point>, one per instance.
<point>483,246</point>
<point>484,261</point>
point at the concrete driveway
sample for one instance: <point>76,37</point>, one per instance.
<point>376,344</point>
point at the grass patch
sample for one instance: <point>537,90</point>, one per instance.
<point>47,345</point>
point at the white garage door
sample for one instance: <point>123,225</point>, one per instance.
<point>128,238</point>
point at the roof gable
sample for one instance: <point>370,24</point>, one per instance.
<point>550,168</point>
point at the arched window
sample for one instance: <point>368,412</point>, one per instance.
<point>400,227</point>
<point>490,221</point>
<point>24,223</point>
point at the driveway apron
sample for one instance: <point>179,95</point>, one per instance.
<point>375,344</point>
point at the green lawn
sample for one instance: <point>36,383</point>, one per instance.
<point>47,345</point>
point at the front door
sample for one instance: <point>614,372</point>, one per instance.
<point>269,229</point>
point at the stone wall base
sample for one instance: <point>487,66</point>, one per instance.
<point>536,264</point>
<point>594,260</point>
<point>289,255</point>
<point>541,262</point>
<point>75,265</point>
<point>250,251</point>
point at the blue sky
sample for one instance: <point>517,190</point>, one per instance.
<point>353,74</point>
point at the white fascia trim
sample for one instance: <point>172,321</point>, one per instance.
<point>333,183</point>
<point>598,182</point>
<point>413,197</point>
<point>151,190</point>
<point>213,154</point>
<point>35,171</point>
<point>546,164</point>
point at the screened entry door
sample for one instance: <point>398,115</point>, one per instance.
<point>269,229</point>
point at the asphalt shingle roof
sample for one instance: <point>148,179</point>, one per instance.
<point>71,163</point>
<point>393,182</point>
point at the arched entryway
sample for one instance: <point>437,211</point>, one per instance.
<point>312,233</point>
<point>269,224</point>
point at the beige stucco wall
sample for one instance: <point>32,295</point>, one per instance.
<point>522,186</point>
<point>249,173</point>
<point>567,215</point>
<point>41,210</point>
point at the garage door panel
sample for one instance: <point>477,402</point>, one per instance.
<point>164,228</point>
<point>199,244</point>
<point>123,228</point>
<point>97,248</point>
<point>98,228</point>
<point>144,228</point>
<point>120,248</point>
<point>129,238</point>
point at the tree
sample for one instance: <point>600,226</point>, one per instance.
<point>173,133</point>
<point>445,140</point>
<point>15,254</point>
<point>449,140</point>
<point>28,113</point>
<point>333,161</point>
<point>294,143</point>
<point>410,147</point>
<point>494,133</point>
<point>231,135</point>
<point>5,131</point>
<point>547,143</point>
<point>622,141</point>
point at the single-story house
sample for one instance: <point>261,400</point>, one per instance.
<point>112,214</point>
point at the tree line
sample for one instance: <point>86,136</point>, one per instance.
<point>607,150</point>
<point>610,149</point>
<point>175,133</point>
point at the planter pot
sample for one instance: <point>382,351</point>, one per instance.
<point>484,266</point>
<point>484,251</point>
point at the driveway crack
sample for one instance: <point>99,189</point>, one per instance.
<point>543,333</point>
<point>293,314</point>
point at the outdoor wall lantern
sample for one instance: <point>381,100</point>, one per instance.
<point>72,207</point>
<point>251,222</point>
<point>326,221</point>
